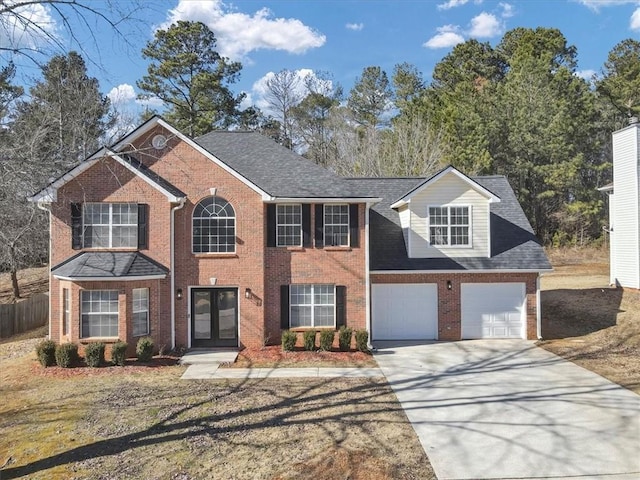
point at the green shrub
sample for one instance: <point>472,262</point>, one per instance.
<point>46,352</point>
<point>94,354</point>
<point>326,340</point>
<point>119,353</point>
<point>344,338</point>
<point>362,338</point>
<point>144,349</point>
<point>289,340</point>
<point>309,340</point>
<point>66,355</point>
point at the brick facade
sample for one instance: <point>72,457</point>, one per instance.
<point>255,266</point>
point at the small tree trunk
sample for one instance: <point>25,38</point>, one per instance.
<point>14,283</point>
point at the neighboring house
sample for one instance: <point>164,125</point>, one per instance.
<point>624,208</point>
<point>227,239</point>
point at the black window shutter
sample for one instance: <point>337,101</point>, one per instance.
<point>306,225</point>
<point>319,225</point>
<point>76,226</point>
<point>143,226</point>
<point>341,305</point>
<point>354,225</point>
<point>284,307</point>
<point>271,225</point>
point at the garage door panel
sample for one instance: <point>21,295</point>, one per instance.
<point>404,311</point>
<point>493,310</point>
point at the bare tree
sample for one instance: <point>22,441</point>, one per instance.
<point>284,92</point>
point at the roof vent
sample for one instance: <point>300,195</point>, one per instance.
<point>633,120</point>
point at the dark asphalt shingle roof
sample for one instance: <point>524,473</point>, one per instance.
<point>275,169</point>
<point>513,243</point>
<point>151,175</point>
<point>109,265</point>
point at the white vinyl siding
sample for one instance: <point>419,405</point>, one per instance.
<point>405,218</point>
<point>448,191</point>
<point>625,222</point>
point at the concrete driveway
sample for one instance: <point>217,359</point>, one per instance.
<point>504,409</point>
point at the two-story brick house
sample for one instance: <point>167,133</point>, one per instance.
<point>229,238</point>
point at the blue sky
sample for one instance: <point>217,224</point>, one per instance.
<point>342,36</point>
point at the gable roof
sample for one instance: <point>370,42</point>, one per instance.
<point>105,266</point>
<point>406,197</point>
<point>50,192</point>
<point>514,246</point>
<point>278,171</point>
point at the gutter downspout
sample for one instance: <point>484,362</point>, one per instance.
<point>43,206</point>
<point>538,307</point>
<point>367,281</point>
<point>172,250</point>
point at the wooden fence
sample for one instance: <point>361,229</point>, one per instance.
<point>25,315</point>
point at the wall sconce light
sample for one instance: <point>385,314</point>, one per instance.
<point>179,294</point>
<point>248,293</point>
<point>449,286</point>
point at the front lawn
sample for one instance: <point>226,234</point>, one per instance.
<point>146,423</point>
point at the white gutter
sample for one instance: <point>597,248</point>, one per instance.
<point>131,278</point>
<point>172,249</point>
<point>538,311</point>
<point>366,270</point>
<point>321,200</point>
<point>47,208</point>
<point>474,270</point>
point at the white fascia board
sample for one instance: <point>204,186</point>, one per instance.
<point>50,192</point>
<point>450,272</point>
<point>473,184</point>
<point>170,196</point>
<point>606,188</point>
<point>368,200</point>
<point>111,279</point>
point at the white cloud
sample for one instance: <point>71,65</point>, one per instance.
<point>455,3</point>
<point>356,27</point>
<point>259,90</point>
<point>507,10</point>
<point>446,37</point>
<point>123,93</point>
<point>485,25</point>
<point>27,26</point>
<point>239,33</point>
<point>596,4</point>
<point>586,74</point>
<point>634,23</point>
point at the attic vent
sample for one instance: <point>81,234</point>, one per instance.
<point>159,142</point>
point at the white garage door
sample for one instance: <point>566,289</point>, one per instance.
<point>493,310</point>
<point>404,311</point>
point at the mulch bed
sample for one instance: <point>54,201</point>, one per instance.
<point>274,356</point>
<point>131,366</point>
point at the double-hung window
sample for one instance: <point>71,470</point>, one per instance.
<point>312,306</point>
<point>336,225</point>
<point>140,312</point>
<point>110,225</point>
<point>449,226</point>
<point>99,311</point>
<point>289,225</point>
<point>66,310</point>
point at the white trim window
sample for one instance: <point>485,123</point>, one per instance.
<point>99,312</point>
<point>336,225</point>
<point>312,306</point>
<point>66,310</point>
<point>110,225</point>
<point>140,311</point>
<point>450,226</point>
<point>289,225</point>
<point>214,226</point>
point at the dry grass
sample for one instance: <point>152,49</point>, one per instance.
<point>30,281</point>
<point>588,322</point>
<point>149,424</point>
